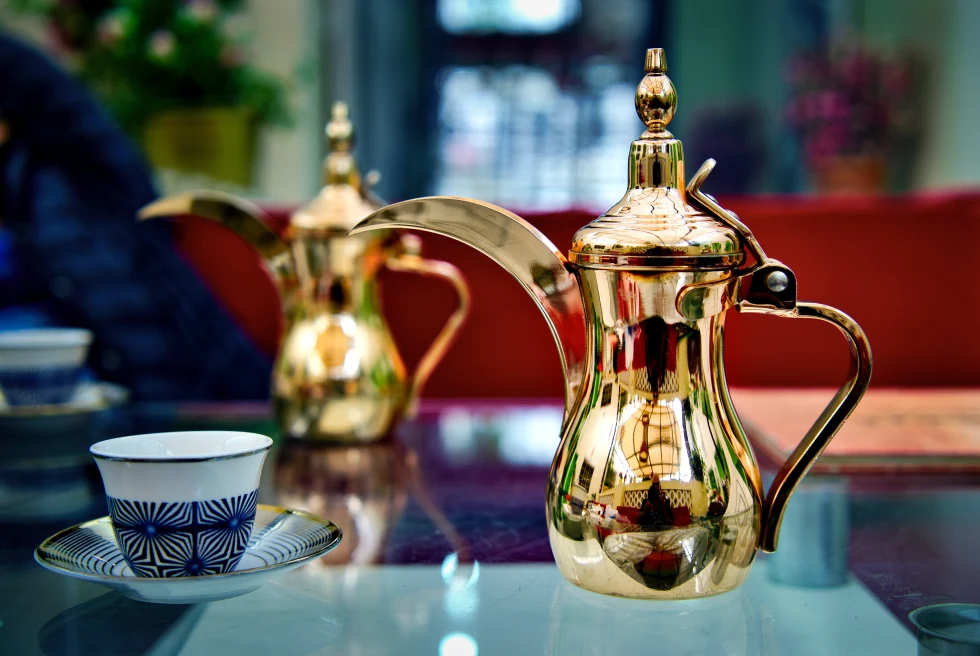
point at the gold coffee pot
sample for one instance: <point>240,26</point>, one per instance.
<point>654,491</point>
<point>338,375</point>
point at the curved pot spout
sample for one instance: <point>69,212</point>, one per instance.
<point>517,246</point>
<point>238,215</point>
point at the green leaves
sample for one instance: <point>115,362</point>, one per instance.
<point>144,56</point>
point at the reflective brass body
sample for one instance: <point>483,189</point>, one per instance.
<point>654,492</point>
<point>338,375</point>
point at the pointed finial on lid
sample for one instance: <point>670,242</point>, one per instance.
<point>656,98</point>
<point>339,167</point>
<point>343,200</point>
<point>656,61</point>
<point>340,130</point>
<point>653,227</point>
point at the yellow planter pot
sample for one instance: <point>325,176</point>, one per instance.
<point>218,142</point>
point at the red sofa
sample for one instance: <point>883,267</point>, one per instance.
<point>902,266</point>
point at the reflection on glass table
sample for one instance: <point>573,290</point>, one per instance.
<point>446,552</point>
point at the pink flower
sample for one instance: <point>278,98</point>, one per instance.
<point>848,102</point>
<point>201,10</point>
<point>829,140</point>
<point>111,29</point>
<point>832,105</point>
<point>857,68</point>
<point>162,44</point>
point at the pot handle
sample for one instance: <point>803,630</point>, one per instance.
<point>830,420</point>
<point>408,259</point>
<point>767,286</point>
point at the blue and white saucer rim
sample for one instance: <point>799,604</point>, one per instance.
<point>90,396</point>
<point>265,515</point>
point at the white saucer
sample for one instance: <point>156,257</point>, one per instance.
<point>282,540</point>
<point>89,396</point>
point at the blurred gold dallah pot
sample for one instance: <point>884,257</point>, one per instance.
<point>654,492</point>
<point>338,375</point>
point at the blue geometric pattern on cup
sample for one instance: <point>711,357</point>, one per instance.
<point>278,537</point>
<point>39,386</point>
<point>193,538</point>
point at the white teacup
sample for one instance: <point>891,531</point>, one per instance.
<point>182,504</point>
<point>41,366</point>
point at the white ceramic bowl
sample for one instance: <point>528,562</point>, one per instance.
<point>182,504</point>
<point>41,366</point>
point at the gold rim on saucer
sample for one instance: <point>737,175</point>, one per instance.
<point>88,551</point>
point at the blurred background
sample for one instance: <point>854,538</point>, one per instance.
<point>843,130</point>
<point>846,138</point>
<point>527,103</point>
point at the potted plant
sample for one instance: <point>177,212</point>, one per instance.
<point>173,74</point>
<point>849,107</point>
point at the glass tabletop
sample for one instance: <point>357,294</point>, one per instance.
<point>445,551</point>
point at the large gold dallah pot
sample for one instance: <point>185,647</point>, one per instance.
<point>654,491</point>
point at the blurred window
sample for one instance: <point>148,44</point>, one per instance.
<point>514,136</point>
<point>511,16</point>
<point>526,120</point>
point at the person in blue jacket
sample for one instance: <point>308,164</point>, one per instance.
<point>73,254</point>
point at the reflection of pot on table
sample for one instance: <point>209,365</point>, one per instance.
<point>361,488</point>
<point>583,623</point>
